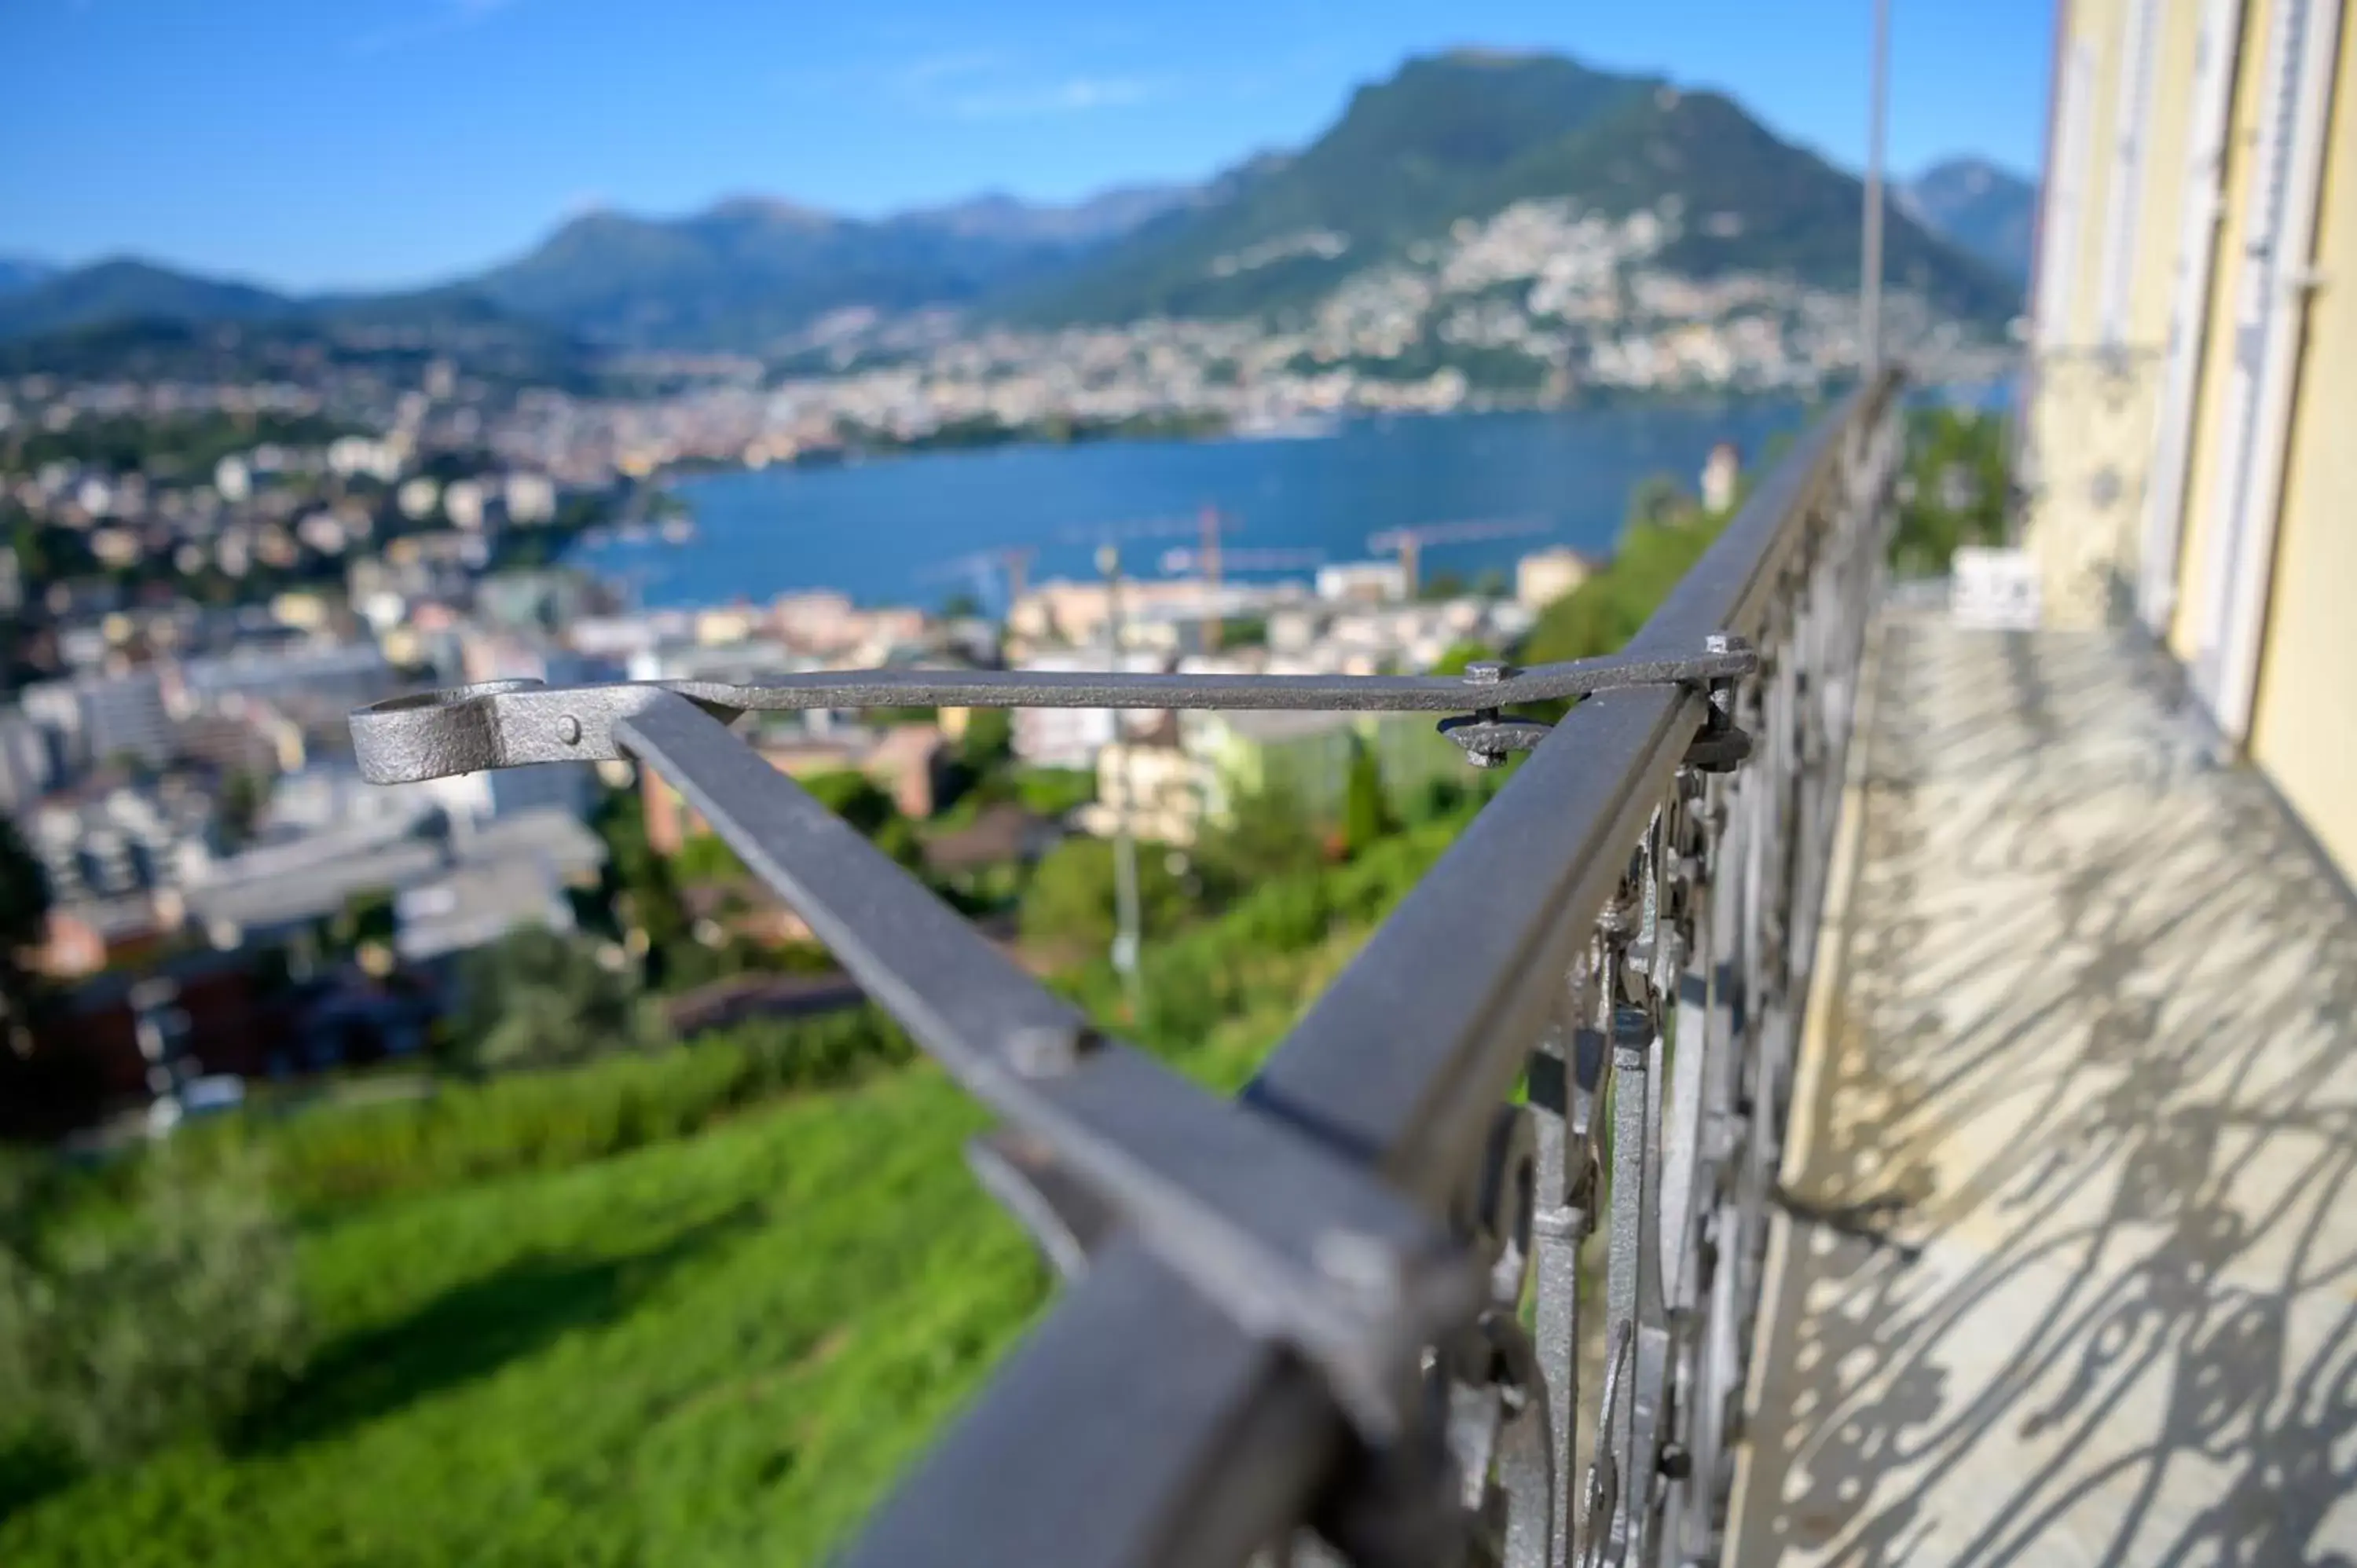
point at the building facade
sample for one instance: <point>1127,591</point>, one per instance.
<point>2191,441</point>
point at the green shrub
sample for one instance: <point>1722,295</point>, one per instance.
<point>547,1120</point>
<point>1054,791</point>
<point>540,998</point>
<point>1955,489</point>
<point>122,1331</point>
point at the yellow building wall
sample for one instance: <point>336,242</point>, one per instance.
<point>2093,417</point>
<point>2167,142</point>
<point>2304,729</point>
<point>2098,22</point>
<point>2212,442</point>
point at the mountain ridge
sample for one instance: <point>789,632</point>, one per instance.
<point>18,273</point>
<point>1981,207</point>
<point>1403,156</point>
<point>1445,138</point>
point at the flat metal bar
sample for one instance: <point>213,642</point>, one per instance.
<point>1157,688</point>
<point>505,724</point>
<point>1293,1242</point>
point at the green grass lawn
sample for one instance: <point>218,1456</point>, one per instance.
<point>661,1309</point>
<point>715,1349</point>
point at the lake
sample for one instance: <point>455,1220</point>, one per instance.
<point>896,530</point>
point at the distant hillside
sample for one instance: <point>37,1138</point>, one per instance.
<point>1408,155</point>
<point>743,275</point>
<point>1749,201</point>
<point>1451,137</point>
<point>1987,210</point>
<point>1466,135</point>
<point>145,322</point>
<point>17,272</point>
<point>747,273</point>
<point>130,290</point>
<point>1107,215</point>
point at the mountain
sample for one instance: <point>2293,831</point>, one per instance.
<point>126,290</point>
<point>18,273</point>
<point>743,274</point>
<point>749,273</point>
<point>1985,209</point>
<point>1748,201</point>
<point>1468,133</point>
<point>1408,157</point>
<point>1451,137</point>
<point>1107,215</point>
<point>143,321</point>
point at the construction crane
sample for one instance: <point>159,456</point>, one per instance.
<point>1411,542</point>
<point>1103,533</point>
<point>1211,564</point>
<point>1207,525</point>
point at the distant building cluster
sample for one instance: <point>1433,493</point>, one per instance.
<point>198,582</point>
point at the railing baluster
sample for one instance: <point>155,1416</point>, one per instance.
<point>1567,1076</point>
<point>1286,1313</point>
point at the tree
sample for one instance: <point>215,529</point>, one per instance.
<point>1070,896</point>
<point>541,998</point>
<point>988,743</point>
<point>24,920</point>
<point>856,799</point>
<point>1955,489</point>
<point>1365,819</point>
<point>1268,833</point>
<point>1658,499</point>
<point>244,794</point>
<point>1459,656</point>
<point>367,916</point>
<point>124,1336</point>
<point>706,858</point>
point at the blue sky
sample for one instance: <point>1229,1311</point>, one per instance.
<point>349,142</point>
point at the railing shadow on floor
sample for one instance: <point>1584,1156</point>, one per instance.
<point>2092,1058</point>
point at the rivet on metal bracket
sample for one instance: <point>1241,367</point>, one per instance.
<point>1487,736</point>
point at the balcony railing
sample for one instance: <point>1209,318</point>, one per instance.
<point>1346,1306</point>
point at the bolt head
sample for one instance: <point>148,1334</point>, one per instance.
<point>568,730</point>
<point>1484,673</point>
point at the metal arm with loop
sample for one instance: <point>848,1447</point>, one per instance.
<point>1303,1309</point>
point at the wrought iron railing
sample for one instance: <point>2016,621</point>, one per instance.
<point>1342,1313</point>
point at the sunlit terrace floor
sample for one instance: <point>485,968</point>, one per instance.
<point>2067,1272</point>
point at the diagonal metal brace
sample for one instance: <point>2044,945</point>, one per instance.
<point>506,723</point>
<point>1292,1240</point>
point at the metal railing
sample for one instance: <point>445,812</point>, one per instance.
<point>1342,1313</point>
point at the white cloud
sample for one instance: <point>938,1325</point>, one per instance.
<point>1073,95</point>
<point>934,72</point>
<point>992,84</point>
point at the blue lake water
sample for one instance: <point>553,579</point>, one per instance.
<point>892,530</point>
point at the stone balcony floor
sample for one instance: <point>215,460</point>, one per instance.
<point>2067,1267</point>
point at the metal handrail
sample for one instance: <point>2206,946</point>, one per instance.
<point>1300,1311</point>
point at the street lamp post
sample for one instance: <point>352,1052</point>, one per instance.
<point>1870,262</point>
<point>1125,842</point>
